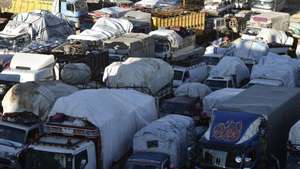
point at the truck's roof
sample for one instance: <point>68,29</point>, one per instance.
<point>262,100</point>
<point>270,14</point>
<point>25,127</point>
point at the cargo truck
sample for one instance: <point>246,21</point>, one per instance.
<point>75,10</point>
<point>163,144</point>
<point>251,129</point>
<point>84,137</point>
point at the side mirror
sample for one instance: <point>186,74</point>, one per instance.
<point>83,163</point>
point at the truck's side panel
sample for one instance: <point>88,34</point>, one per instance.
<point>18,6</point>
<point>195,20</point>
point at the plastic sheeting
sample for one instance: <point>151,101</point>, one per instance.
<point>105,28</point>
<point>118,114</point>
<point>174,38</point>
<point>231,66</point>
<point>250,49</point>
<point>280,72</point>
<point>294,134</point>
<point>274,36</point>
<point>35,97</point>
<point>216,98</point>
<point>192,90</point>
<point>150,73</point>
<point>173,134</point>
<point>41,25</point>
<point>75,73</point>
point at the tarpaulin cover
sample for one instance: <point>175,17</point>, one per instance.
<point>274,36</point>
<point>118,113</point>
<point>284,73</point>
<point>150,73</point>
<point>171,134</point>
<point>105,28</point>
<point>41,25</point>
<point>298,51</point>
<point>174,38</point>
<point>75,73</point>
<point>250,49</point>
<point>294,135</point>
<point>231,66</point>
<point>278,105</point>
<point>295,28</point>
<point>217,97</point>
<point>35,97</point>
<point>115,11</point>
<point>192,89</point>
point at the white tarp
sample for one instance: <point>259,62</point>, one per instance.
<point>115,11</point>
<point>35,97</point>
<point>173,133</point>
<point>118,114</point>
<point>298,51</point>
<point>284,73</point>
<point>105,28</point>
<point>294,135</point>
<point>40,25</point>
<point>75,73</point>
<point>274,36</point>
<point>218,97</point>
<point>192,89</point>
<point>173,37</point>
<point>250,49</point>
<point>231,66</point>
<point>157,3</point>
<point>150,73</point>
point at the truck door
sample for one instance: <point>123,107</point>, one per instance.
<point>81,160</point>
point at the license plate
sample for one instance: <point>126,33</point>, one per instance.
<point>217,158</point>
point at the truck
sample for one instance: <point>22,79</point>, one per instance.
<point>274,20</point>
<point>268,5</point>
<point>175,44</point>
<point>21,118</point>
<point>187,101</point>
<point>251,129</point>
<point>130,45</point>
<point>218,7</point>
<point>74,10</point>
<point>196,72</point>
<point>150,75</point>
<point>83,136</point>
<point>230,72</point>
<point>33,26</point>
<point>163,144</point>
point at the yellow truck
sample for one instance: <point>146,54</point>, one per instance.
<point>179,18</point>
<point>18,6</point>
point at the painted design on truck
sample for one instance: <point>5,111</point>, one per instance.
<point>229,131</point>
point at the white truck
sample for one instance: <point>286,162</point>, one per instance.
<point>163,144</point>
<point>218,7</point>
<point>94,134</point>
<point>149,75</point>
<point>230,72</point>
<point>197,72</point>
<point>130,45</point>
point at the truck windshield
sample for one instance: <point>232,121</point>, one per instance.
<point>141,166</point>
<point>217,84</point>
<point>12,134</point>
<point>178,75</point>
<point>47,160</point>
<point>6,43</point>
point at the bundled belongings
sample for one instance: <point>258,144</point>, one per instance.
<point>157,3</point>
<point>150,74</point>
<point>192,89</point>
<point>34,97</point>
<point>75,73</point>
<point>104,29</point>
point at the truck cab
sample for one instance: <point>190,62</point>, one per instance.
<point>216,83</point>
<point>51,152</point>
<point>192,73</point>
<point>148,160</point>
<point>13,140</point>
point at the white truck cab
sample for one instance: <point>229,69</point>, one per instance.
<point>216,83</point>
<point>30,67</point>
<point>61,152</point>
<point>13,139</point>
<point>193,73</point>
